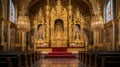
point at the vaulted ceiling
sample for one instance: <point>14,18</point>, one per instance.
<point>85,8</point>
<point>34,5</point>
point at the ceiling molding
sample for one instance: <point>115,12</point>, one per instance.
<point>32,3</point>
<point>88,3</point>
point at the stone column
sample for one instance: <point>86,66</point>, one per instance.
<point>35,37</point>
<point>113,43</point>
<point>119,34</point>
<point>23,41</point>
<point>9,46</point>
<point>97,37</point>
<point>119,29</point>
<point>18,37</point>
<point>100,38</point>
<point>94,37</point>
<point>97,41</point>
<point>2,36</point>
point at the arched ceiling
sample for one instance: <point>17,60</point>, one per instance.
<point>83,5</point>
<point>34,5</point>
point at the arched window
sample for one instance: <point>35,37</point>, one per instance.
<point>109,11</point>
<point>12,12</point>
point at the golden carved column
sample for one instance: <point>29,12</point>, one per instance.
<point>70,32</point>
<point>70,21</point>
<point>36,37</point>
<point>82,26</point>
<point>47,32</point>
<point>52,31</point>
<point>65,31</point>
<point>44,32</point>
<point>47,21</point>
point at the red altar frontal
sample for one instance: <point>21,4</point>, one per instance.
<point>59,49</point>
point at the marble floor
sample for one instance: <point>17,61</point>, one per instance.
<point>59,63</point>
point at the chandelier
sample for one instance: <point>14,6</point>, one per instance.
<point>23,23</point>
<point>97,23</point>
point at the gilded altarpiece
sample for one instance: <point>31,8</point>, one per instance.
<point>59,26</point>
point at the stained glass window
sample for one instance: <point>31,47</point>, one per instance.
<point>12,12</point>
<point>109,11</point>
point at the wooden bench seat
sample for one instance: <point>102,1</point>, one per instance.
<point>20,59</point>
<point>99,58</point>
<point>5,62</point>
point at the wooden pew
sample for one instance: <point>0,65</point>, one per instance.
<point>109,59</point>
<point>5,62</point>
<point>96,58</point>
<point>20,59</point>
<point>15,58</point>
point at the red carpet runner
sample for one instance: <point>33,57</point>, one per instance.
<point>60,53</point>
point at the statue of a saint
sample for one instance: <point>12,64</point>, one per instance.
<point>77,36</point>
<point>58,8</point>
<point>40,32</point>
<point>77,13</point>
<point>58,32</point>
<point>77,31</point>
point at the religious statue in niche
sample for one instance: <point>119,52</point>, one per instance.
<point>58,29</point>
<point>59,10</point>
<point>76,31</point>
<point>40,32</point>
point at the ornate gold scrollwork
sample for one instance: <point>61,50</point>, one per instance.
<point>60,28</point>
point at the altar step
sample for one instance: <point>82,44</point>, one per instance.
<point>60,55</point>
